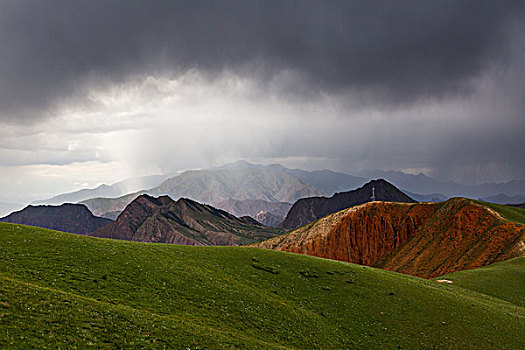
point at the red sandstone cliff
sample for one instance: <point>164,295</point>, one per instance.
<point>424,239</point>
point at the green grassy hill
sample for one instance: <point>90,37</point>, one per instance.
<point>504,280</point>
<point>64,290</point>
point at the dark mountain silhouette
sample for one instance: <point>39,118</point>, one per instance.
<point>307,210</point>
<point>73,218</point>
<point>162,220</point>
<point>423,239</point>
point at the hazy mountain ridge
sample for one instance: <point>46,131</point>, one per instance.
<point>107,191</point>
<point>423,185</point>
<point>327,181</point>
<point>213,186</point>
<point>504,199</point>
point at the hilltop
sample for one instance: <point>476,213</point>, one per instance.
<point>163,220</point>
<point>64,290</point>
<point>423,239</point>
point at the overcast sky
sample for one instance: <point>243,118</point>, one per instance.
<point>97,91</point>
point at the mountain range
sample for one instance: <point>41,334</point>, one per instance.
<point>73,218</point>
<point>163,220</point>
<point>307,210</point>
<point>115,190</point>
<point>424,185</point>
<point>272,183</point>
<point>504,199</point>
<point>262,185</point>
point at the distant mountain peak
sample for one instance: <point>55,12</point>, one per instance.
<point>307,210</point>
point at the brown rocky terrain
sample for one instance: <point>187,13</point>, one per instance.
<point>73,218</point>
<point>306,210</point>
<point>424,239</point>
<point>162,220</point>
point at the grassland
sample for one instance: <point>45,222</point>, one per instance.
<point>61,290</point>
<point>504,280</point>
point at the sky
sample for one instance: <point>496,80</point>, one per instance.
<point>95,92</point>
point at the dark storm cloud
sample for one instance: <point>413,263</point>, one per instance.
<point>401,51</point>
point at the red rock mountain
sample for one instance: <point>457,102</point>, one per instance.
<point>162,220</point>
<point>306,210</point>
<point>424,239</point>
<point>73,218</point>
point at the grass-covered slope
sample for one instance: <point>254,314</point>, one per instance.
<point>64,290</point>
<point>504,280</point>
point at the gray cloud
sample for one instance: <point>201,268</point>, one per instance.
<point>396,51</point>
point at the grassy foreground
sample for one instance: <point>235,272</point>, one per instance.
<point>61,290</point>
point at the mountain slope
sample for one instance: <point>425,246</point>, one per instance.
<point>309,209</point>
<point>162,220</point>
<point>424,239</point>
<point>73,218</point>
<point>76,291</point>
